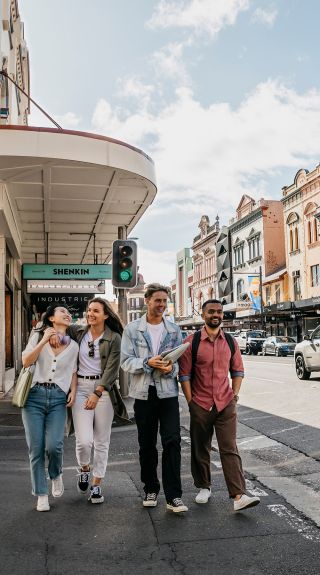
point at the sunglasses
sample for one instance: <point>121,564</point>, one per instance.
<point>91,348</point>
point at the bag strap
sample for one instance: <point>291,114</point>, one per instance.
<point>230,341</point>
<point>194,351</point>
<point>195,346</point>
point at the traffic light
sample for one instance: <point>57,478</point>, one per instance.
<point>124,264</point>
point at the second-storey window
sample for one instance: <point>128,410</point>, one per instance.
<point>315,275</point>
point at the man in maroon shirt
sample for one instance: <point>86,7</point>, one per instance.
<point>212,405</point>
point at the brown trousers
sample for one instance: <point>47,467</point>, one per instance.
<point>202,425</point>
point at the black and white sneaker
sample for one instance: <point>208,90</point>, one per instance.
<point>176,505</point>
<point>95,495</point>
<point>83,480</point>
<point>150,500</point>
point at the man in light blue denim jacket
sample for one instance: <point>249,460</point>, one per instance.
<point>154,385</point>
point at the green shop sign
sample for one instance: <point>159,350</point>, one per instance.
<point>66,272</point>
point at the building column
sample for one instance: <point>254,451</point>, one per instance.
<point>2,312</point>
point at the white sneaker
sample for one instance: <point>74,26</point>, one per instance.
<point>43,503</point>
<point>245,502</point>
<point>203,496</point>
<point>57,486</point>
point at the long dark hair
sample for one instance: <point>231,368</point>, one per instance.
<point>113,321</point>
<point>48,313</point>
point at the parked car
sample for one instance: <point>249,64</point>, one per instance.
<point>250,341</point>
<point>307,355</point>
<point>278,345</point>
<point>184,334</point>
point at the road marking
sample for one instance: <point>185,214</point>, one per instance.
<point>262,393</point>
<point>268,363</point>
<point>286,429</point>
<point>256,491</point>
<point>307,531</point>
<point>256,417</point>
<point>266,379</point>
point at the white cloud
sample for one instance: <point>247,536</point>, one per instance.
<point>266,17</point>
<point>157,266</point>
<point>134,88</point>
<point>168,63</point>
<point>208,16</point>
<point>207,157</point>
<point>68,120</point>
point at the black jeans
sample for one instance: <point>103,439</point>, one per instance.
<point>149,414</point>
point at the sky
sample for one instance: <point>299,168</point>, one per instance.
<point>224,95</point>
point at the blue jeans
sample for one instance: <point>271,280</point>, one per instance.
<point>44,417</point>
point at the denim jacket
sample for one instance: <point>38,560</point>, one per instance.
<point>136,349</point>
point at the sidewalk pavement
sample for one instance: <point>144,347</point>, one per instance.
<point>121,537</point>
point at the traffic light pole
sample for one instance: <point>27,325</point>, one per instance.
<point>123,313</point>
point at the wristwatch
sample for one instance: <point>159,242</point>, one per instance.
<point>97,393</point>
<point>236,397</point>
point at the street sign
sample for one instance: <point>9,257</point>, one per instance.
<point>66,271</point>
<point>66,286</point>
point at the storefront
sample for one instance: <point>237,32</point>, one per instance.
<point>309,310</point>
<point>76,304</point>
<point>294,319</point>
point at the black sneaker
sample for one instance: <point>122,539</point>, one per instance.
<point>95,495</point>
<point>83,481</point>
<point>176,505</point>
<point>150,500</point>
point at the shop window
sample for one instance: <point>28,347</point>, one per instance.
<point>277,293</point>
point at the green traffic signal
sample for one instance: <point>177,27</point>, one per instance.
<point>124,263</point>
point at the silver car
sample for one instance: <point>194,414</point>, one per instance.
<point>278,345</point>
<point>307,355</point>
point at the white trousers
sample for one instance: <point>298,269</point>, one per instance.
<point>92,427</point>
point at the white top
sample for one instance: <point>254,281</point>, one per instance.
<point>155,331</point>
<point>89,365</point>
<point>54,368</point>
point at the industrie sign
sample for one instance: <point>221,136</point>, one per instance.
<point>66,272</point>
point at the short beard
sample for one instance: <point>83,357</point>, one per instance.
<point>209,324</point>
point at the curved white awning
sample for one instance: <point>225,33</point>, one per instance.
<point>65,191</point>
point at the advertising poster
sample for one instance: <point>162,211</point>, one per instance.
<point>254,292</point>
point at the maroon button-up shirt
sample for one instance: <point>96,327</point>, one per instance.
<point>211,385</point>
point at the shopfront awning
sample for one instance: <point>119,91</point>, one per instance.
<point>274,277</point>
<point>64,194</point>
<point>312,303</point>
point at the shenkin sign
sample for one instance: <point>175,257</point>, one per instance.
<point>63,271</point>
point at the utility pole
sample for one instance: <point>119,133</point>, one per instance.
<point>123,312</point>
